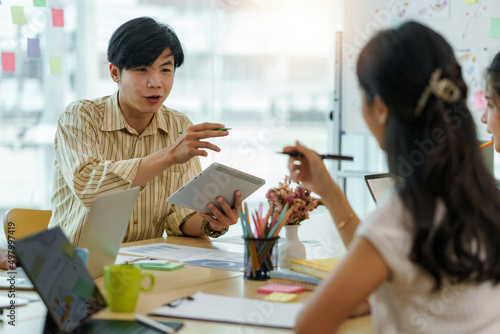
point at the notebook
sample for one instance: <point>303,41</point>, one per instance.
<point>234,310</point>
<point>306,286</point>
<point>315,267</point>
<point>294,276</point>
<point>379,184</point>
<point>66,287</point>
<point>103,230</point>
<point>22,281</point>
<point>270,288</point>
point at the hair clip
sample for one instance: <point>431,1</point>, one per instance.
<point>443,89</point>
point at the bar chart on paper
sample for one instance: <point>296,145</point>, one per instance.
<point>196,256</point>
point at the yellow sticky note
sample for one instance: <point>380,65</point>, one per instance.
<point>470,1</point>
<point>55,65</point>
<point>281,297</point>
<point>66,248</point>
<point>17,13</point>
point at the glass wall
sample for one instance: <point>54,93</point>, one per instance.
<point>265,68</point>
<point>37,79</point>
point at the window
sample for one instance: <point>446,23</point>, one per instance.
<point>263,68</point>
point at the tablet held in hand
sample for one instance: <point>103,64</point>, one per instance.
<point>216,180</point>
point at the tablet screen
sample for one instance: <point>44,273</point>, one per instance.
<point>217,180</point>
<point>60,278</point>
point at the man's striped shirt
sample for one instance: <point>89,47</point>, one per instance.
<point>97,152</point>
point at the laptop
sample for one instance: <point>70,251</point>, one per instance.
<point>66,287</point>
<point>379,184</point>
<point>103,230</point>
<point>102,234</point>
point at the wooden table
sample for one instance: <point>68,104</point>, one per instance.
<point>185,282</point>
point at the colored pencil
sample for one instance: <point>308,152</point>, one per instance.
<point>487,144</point>
<point>260,239</point>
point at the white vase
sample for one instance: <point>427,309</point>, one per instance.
<point>292,248</point>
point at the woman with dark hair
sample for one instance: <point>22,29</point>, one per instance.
<point>430,252</point>
<point>491,115</point>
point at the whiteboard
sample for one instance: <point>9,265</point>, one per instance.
<point>465,26</point>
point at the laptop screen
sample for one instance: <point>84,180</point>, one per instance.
<point>60,278</point>
<point>379,184</point>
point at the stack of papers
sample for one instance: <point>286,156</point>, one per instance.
<point>236,310</point>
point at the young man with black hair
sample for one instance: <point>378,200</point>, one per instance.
<point>131,139</point>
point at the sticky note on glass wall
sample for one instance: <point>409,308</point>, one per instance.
<point>479,101</point>
<point>55,65</point>
<point>17,13</point>
<point>58,17</point>
<point>495,27</point>
<point>470,1</point>
<point>39,3</point>
<point>9,61</point>
<point>33,47</point>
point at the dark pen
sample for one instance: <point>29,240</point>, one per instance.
<point>323,156</point>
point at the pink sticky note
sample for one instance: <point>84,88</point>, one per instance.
<point>267,289</point>
<point>479,101</point>
<point>9,61</point>
<point>58,17</point>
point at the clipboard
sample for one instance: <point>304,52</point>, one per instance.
<point>252,312</point>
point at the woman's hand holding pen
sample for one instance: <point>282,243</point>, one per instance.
<point>314,176</point>
<point>311,171</point>
<point>191,144</point>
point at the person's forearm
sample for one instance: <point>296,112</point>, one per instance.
<point>151,166</point>
<point>341,211</point>
<point>192,226</point>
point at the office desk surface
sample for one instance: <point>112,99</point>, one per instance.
<point>171,285</point>
<point>234,287</point>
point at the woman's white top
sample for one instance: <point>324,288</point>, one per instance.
<point>406,303</point>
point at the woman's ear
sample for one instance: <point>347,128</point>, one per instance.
<point>380,110</point>
<point>114,72</point>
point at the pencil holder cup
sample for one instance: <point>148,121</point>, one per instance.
<point>261,256</point>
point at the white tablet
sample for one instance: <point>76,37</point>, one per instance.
<point>216,180</point>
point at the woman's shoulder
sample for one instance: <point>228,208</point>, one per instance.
<point>390,213</point>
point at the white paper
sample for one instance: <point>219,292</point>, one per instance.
<point>234,310</point>
<point>182,253</point>
<point>122,259</point>
<point>7,302</point>
<point>21,279</point>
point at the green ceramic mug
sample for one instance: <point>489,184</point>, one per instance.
<point>122,284</point>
